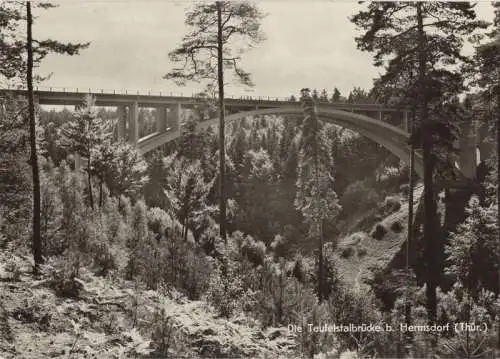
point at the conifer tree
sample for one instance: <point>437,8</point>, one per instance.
<point>121,167</point>
<point>20,56</point>
<point>315,95</point>
<point>473,251</point>
<point>315,198</point>
<point>186,191</point>
<point>487,61</point>
<point>84,134</point>
<point>323,97</point>
<point>50,211</point>
<point>430,37</point>
<point>335,95</point>
<point>217,32</point>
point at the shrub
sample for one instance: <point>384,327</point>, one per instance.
<point>278,245</point>
<point>158,221</point>
<point>62,276</point>
<point>347,251</point>
<point>125,207</point>
<point>396,226</point>
<point>13,269</point>
<point>379,231</point>
<point>224,289</point>
<point>361,251</point>
<point>253,250</point>
<point>164,333</point>
<point>405,190</point>
<point>391,204</point>
<point>104,261</point>
<point>347,306</point>
<point>113,219</point>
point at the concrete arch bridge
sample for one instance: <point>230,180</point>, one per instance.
<point>386,126</point>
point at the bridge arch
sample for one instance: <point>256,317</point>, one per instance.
<point>391,137</point>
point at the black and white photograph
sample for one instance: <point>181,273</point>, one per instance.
<point>264,179</point>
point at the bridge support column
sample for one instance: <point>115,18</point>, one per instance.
<point>468,158</point>
<point>406,121</point>
<point>133,123</point>
<point>122,123</point>
<point>174,118</point>
<point>161,119</point>
<point>76,156</point>
<point>486,146</point>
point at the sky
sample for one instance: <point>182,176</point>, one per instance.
<point>308,44</point>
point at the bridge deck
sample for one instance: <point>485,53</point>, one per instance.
<point>113,99</point>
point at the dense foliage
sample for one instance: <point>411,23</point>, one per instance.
<point>307,201</point>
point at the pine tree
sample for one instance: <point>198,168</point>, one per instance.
<point>358,95</point>
<point>19,58</point>
<point>316,198</point>
<point>50,212</point>
<point>84,135</point>
<point>126,172</point>
<point>186,192</point>
<point>336,95</point>
<point>473,252</point>
<point>323,97</point>
<point>208,49</point>
<point>70,190</point>
<point>424,34</point>
<point>15,183</point>
<point>138,239</point>
<point>487,61</point>
<point>315,95</point>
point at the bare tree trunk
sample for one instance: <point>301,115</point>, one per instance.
<point>498,183</point>
<point>222,148</point>
<point>91,195</point>
<point>409,239</point>
<point>430,240</point>
<point>100,194</point>
<point>320,262</point>
<point>37,243</point>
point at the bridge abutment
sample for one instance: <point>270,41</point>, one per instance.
<point>76,156</point>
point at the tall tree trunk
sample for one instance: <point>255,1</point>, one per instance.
<point>89,177</point>
<point>409,239</point>
<point>100,194</point>
<point>320,262</point>
<point>222,145</point>
<point>37,242</point>
<point>498,183</point>
<point>430,240</point>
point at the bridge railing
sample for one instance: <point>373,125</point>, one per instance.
<point>83,90</point>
